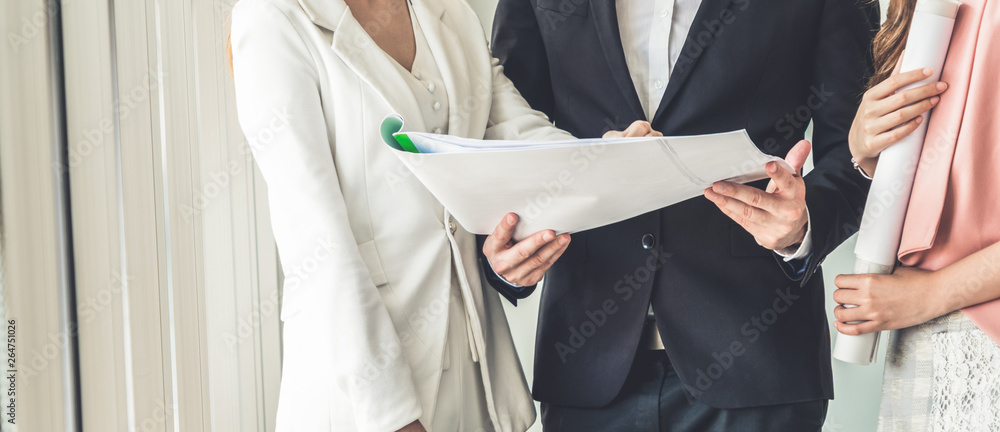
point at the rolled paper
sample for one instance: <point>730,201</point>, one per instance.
<point>885,210</point>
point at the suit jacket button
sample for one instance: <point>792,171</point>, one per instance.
<point>648,241</point>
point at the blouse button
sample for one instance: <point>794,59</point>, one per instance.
<point>436,106</point>
<point>431,87</point>
<point>417,75</point>
<point>436,130</point>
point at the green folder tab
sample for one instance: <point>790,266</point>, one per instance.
<point>391,131</point>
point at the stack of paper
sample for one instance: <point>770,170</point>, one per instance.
<point>573,185</point>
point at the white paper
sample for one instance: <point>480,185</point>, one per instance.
<point>574,185</point>
<point>882,223</point>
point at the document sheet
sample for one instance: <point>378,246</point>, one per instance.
<point>573,185</point>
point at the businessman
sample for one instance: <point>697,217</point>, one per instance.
<point>707,315</point>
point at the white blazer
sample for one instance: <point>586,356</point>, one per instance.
<point>366,250</point>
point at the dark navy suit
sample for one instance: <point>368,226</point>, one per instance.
<point>741,327</point>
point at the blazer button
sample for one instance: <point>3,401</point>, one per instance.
<point>648,241</point>
<point>451,226</point>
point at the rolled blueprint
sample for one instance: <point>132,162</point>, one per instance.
<point>882,223</point>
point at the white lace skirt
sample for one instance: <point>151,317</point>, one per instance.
<point>941,376</point>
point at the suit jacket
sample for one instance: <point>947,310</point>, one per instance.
<point>741,327</point>
<point>367,252</point>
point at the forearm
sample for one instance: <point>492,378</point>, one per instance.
<point>972,280</point>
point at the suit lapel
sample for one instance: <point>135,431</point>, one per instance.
<point>699,40</point>
<point>363,56</point>
<point>606,19</point>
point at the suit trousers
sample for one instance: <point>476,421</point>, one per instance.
<point>654,399</point>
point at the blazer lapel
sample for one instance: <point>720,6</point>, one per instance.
<point>697,43</point>
<point>606,19</point>
<point>366,59</point>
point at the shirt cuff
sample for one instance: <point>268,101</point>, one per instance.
<point>804,249</point>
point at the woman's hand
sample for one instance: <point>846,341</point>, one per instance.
<point>885,117</point>
<point>523,263</point>
<point>636,129</point>
<point>413,427</point>
<point>903,299</point>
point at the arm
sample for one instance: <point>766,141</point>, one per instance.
<point>274,73</point>
<point>911,296</point>
<point>818,212</point>
<point>835,192</point>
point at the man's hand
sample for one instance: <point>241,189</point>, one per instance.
<point>776,217</point>
<point>525,262</point>
<point>638,128</point>
<point>413,427</point>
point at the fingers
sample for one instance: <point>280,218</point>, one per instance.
<point>500,238</point>
<point>901,115</point>
<point>889,106</point>
<point>890,85</point>
<point>750,218</point>
<point>533,269</point>
<point>797,156</point>
<point>524,249</point>
<point>847,296</point>
<point>786,184</point>
<point>857,329</point>
<point>734,196</point>
<point>886,139</point>
<point>850,314</point>
<point>638,129</point>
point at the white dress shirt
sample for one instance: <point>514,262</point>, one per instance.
<point>653,33</point>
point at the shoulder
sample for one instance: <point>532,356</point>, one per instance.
<point>267,14</point>
<point>458,14</point>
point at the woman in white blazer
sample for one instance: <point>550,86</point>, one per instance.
<point>386,323</point>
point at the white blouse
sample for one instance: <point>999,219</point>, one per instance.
<point>426,83</point>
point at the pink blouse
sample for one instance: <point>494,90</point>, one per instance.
<point>954,209</point>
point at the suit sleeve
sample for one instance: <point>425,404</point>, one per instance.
<point>327,283</point>
<point>835,192</point>
<point>522,99</point>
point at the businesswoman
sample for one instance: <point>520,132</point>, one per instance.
<point>942,371</point>
<point>386,323</point>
